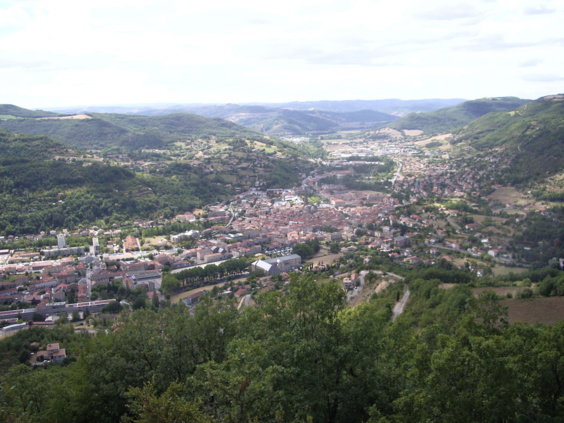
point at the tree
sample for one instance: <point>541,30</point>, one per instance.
<point>139,302</point>
<point>303,250</point>
<point>155,300</point>
<point>113,308</point>
<point>38,317</point>
<point>334,247</point>
<point>169,284</point>
<point>171,406</point>
<point>490,312</point>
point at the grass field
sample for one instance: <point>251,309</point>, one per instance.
<point>504,270</point>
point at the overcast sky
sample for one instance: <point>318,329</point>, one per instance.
<point>105,52</point>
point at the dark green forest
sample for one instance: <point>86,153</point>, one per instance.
<point>41,195</point>
<point>22,146</point>
<point>299,355</point>
<point>45,185</point>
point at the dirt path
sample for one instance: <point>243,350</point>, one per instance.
<point>398,308</point>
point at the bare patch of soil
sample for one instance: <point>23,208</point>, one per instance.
<point>79,117</point>
<point>544,310</point>
<point>509,195</point>
<point>412,132</point>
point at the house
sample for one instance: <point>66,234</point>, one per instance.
<point>348,283</point>
<point>193,299</point>
<point>239,293</point>
<point>401,242</point>
<point>130,243</point>
<point>53,353</point>
<point>493,252</point>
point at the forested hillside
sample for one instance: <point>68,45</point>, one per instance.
<point>44,185</point>
<point>113,131</point>
<point>42,195</point>
<point>533,134</point>
<point>299,355</point>
<point>22,146</point>
<point>450,118</point>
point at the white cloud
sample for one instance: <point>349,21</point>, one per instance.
<point>67,52</point>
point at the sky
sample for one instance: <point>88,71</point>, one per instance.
<point>56,53</point>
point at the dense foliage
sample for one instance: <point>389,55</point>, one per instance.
<point>301,355</point>
<point>129,132</point>
<point>542,236</point>
<point>41,195</point>
<point>21,147</point>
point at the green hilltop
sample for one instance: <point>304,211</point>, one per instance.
<point>22,146</point>
<point>450,118</point>
<point>98,131</point>
<point>9,111</point>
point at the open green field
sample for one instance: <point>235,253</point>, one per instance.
<point>504,270</point>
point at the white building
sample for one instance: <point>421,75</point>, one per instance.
<point>61,241</point>
<point>278,265</point>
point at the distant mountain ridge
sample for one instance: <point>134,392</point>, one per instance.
<point>394,107</point>
<point>296,118</point>
<point>279,122</point>
<point>450,118</point>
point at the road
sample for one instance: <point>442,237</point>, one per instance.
<point>244,301</point>
<point>397,174</point>
<point>398,308</point>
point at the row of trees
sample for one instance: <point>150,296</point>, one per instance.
<point>198,276</point>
